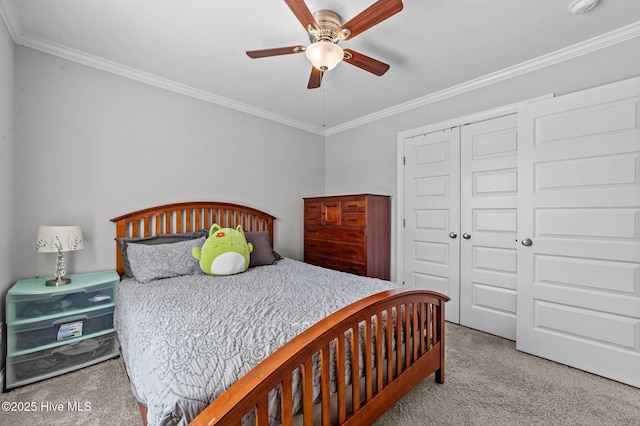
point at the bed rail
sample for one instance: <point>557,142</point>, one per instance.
<point>417,342</point>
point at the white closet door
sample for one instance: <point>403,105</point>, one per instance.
<point>432,215</point>
<point>488,215</point>
<point>579,204</point>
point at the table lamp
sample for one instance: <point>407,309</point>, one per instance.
<point>58,239</point>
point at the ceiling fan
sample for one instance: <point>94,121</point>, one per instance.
<point>325,30</point>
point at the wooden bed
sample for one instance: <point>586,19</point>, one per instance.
<point>416,340</point>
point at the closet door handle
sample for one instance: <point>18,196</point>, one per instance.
<point>527,242</point>
<point>452,235</point>
<point>466,236</point>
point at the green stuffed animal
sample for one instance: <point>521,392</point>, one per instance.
<point>225,251</point>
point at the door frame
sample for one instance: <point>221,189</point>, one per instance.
<point>431,128</point>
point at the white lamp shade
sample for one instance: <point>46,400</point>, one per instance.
<point>53,239</point>
<point>324,54</point>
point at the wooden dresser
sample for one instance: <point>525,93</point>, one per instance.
<point>350,233</point>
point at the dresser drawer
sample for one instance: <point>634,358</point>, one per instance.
<point>312,219</point>
<point>27,306</point>
<point>47,363</point>
<point>334,249</point>
<point>26,336</point>
<point>336,234</point>
<point>311,208</point>
<point>357,220</point>
<point>343,265</point>
<point>355,206</point>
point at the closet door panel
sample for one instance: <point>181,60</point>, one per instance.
<point>432,215</point>
<point>488,214</point>
<point>579,280</point>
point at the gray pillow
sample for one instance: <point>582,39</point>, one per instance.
<point>262,253</point>
<point>156,239</point>
<point>151,262</point>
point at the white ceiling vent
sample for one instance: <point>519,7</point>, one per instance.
<point>578,7</point>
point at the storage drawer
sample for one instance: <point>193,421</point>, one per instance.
<point>354,206</point>
<point>334,249</point>
<point>357,220</point>
<point>313,208</point>
<point>312,219</point>
<point>51,362</point>
<point>32,335</point>
<point>27,306</point>
<point>343,265</point>
<point>336,234</point>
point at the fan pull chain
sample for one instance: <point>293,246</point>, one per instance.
<point>324,107</point>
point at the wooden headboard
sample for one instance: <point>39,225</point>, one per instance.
<point>188,217</point>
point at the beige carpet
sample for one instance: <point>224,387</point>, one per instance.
<point>104,386</point>
<point>488,382</point>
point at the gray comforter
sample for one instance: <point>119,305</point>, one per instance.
<point>187,339</point>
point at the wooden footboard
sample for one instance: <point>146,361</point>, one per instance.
<point>414,337</point>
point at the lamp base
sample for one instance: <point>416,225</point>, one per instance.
<point>58,281</point>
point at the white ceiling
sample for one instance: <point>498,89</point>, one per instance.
<point>434,47</point>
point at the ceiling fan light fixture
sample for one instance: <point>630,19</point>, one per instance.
<point>324,55</point>
<point>325,29</point>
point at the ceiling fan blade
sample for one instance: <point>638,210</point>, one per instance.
<point>373,15</point>
<point>275,52</point>
<point>366,63</point>
<point>302,12</point>
<point>315,79</point>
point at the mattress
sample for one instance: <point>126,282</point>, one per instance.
<point>186,339</point>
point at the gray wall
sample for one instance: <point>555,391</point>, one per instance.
<point>75,126</point>
<point>91,146</point>
<point>6,162</point>
<point>6,174</point>
<point>363,159</point>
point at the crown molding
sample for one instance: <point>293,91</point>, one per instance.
<point>15,29</point>
<point>614,37</point>
<point>154,80</point>
<point>10,19</point>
